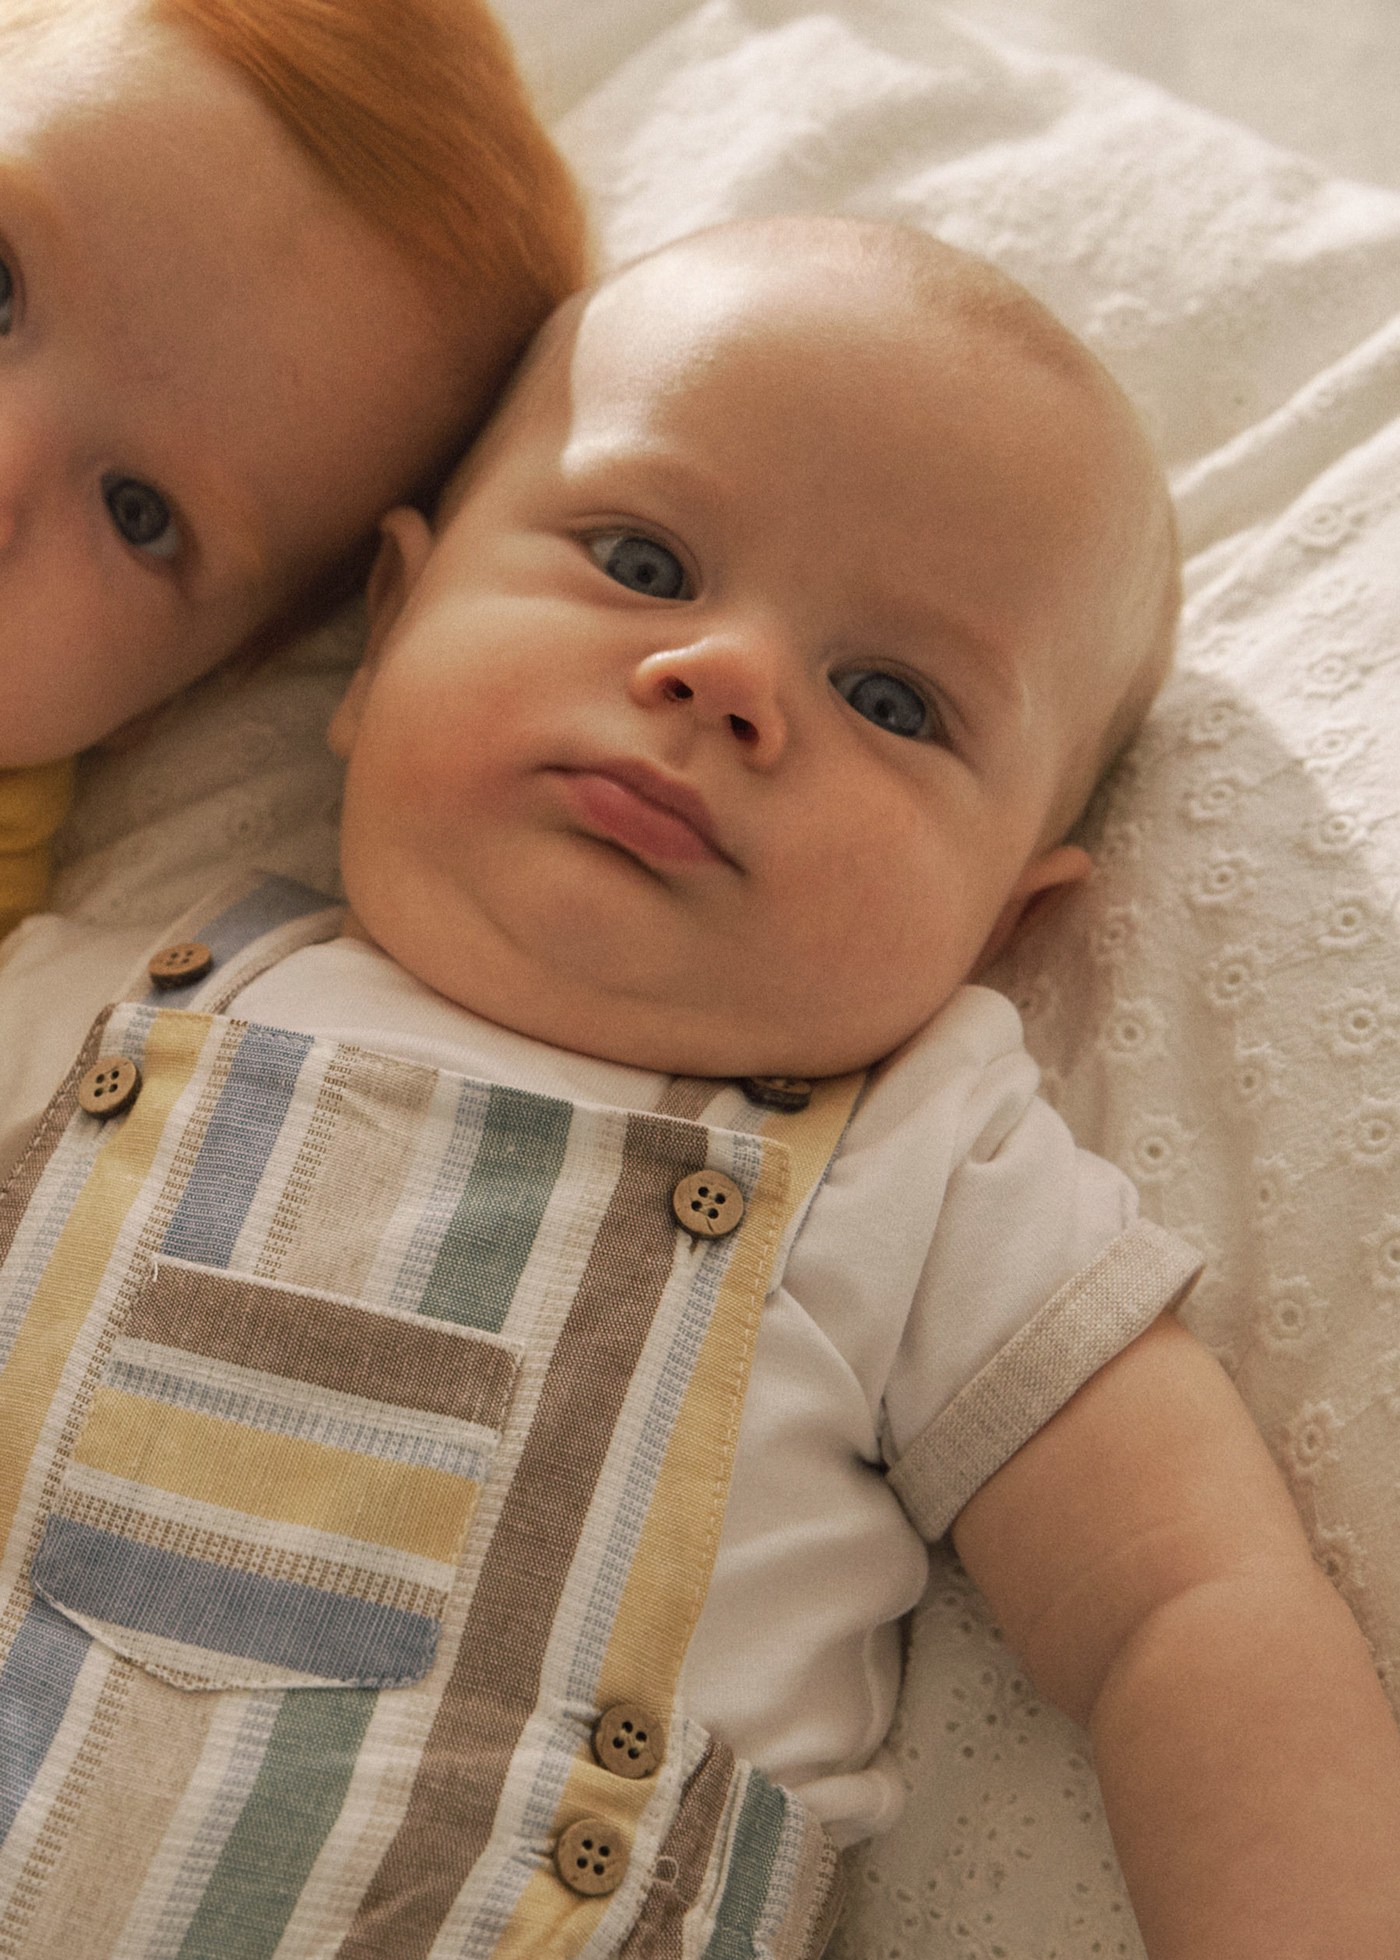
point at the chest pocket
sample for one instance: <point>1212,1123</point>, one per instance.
<point>272,1487</point>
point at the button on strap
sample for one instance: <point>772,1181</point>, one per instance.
<point>180,965</point>
<point>628,1740</point>
<point>591,1857</point>
<point>787,1092</point>
<point>110,1086</point>
<point>708,1204</point>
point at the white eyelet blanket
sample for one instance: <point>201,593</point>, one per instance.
<point>1220,1010</point>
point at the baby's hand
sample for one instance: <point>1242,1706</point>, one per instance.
<point>1144,1558</point>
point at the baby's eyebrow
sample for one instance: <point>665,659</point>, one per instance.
<point>649,464</point>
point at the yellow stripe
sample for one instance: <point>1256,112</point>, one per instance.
<point>548,1918</point>
<point>676,1551</point>
<point>210,1461</point>
<point>811,1135</point>
<point>63,1298</point>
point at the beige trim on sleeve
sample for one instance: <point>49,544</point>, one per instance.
<point>1094,1316</point>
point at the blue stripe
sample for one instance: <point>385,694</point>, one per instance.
<point>237,1144</point>
<point>36,1682</point>
<point>750,1873</point>
<point>147,1590</point>
<point>274,902</point>
<point>456,1455</point>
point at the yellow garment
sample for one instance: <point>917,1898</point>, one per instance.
<point>33,803</point>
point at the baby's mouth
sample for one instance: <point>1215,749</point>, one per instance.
<point>651,817</point>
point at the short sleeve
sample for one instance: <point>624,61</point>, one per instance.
<point>1039,1270</point>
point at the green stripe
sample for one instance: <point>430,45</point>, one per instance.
<point>295,1799</point>
<point>750,1872</point>
<point>484,1249</point>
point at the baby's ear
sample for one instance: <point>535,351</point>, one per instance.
<point>405,542</point>
<point>1044,879</point>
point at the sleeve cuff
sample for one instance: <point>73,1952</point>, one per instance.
<point>1093,1316</point>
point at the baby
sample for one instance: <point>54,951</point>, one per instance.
<point>472,1421</point>
<point>263,267</point>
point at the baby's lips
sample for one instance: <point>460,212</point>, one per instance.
<point>628,816</point>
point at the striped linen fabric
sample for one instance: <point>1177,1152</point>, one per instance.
<point>320,1368</point>
<point>271,1487</point>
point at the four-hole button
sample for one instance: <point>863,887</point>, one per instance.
<point>628,1740</point>
<point>591,1857</point>
<point>110,1086</point>
<point>708,1204</point>
<point>180,965</point>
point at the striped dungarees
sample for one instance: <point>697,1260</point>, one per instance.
<point>365,1434</point>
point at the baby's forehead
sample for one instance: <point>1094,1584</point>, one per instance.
<point>899,344</point>
<point>801,305</point>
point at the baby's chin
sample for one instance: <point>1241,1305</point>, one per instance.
<point>691,1038</point>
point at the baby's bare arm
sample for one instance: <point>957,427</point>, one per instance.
<point>1144,1558</point>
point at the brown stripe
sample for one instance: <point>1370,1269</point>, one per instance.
<point>25,1178</point>
<point>494,1685</point>
<point>396,1359</point>
<point>349,1173</point>
<point>689,1846</point>
<point>688,1096</point>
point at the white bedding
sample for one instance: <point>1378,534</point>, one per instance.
<point>1220,1010</point>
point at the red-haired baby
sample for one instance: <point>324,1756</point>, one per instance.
<point>263,266</point>
<point>486,1368</point>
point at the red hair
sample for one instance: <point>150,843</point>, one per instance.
<point>416,113</point>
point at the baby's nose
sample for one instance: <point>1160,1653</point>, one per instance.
<point>726,686</point>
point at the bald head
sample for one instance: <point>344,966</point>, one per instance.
<point>780,303</point>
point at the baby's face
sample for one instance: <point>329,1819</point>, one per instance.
<point>720,725</point>
<point>213,377</point>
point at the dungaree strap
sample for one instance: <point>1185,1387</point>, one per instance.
<point>245,927</point>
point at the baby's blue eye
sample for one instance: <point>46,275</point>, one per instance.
<point>641,564</point>
<point>887,701</point>
<point>141,516</point>
<point>7,298</point>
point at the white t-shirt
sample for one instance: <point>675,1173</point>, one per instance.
<point>877,1323</point>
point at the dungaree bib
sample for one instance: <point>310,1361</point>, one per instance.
<point>365,1435</point>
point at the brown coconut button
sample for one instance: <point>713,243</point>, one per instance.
<point>777,1091</point>
<point>110,1086</point>
<point>591,1857</point>
<point>709,1204</point>
<point>628,1740</point>
<point>181,965</point>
